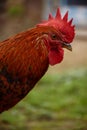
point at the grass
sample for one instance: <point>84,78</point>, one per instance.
<point>55,102</point>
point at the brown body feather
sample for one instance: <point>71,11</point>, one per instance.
<point>23,61</point>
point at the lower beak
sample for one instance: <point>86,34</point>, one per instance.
<point>67,46</point>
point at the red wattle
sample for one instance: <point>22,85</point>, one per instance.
<point>55,57</point>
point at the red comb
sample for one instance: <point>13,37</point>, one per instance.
<point>61,24</point>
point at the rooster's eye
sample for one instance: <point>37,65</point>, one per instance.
<point>54,36</point>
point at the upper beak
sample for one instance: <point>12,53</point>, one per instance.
<point>67,46</point>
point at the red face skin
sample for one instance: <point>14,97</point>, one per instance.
<point>54,47</point>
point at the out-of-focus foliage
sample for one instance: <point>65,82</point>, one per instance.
<point>15,10</point>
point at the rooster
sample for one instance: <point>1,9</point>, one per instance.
<point>25,57</point>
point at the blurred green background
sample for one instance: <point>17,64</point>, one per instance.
<point>59,100</point>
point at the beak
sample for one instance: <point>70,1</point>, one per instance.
<point>67,46</point>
